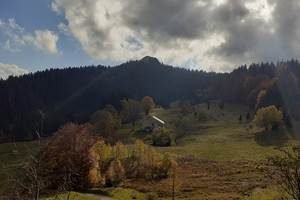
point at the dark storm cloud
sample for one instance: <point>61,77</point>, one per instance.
<point>173,19</point>
<point>230,19</point>
<point>168,18</point>
<point>241,29</point>
<point>232,11</point>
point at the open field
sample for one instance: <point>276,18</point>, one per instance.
<point>220,158</point>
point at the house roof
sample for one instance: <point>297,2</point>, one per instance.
<point>159,120</point>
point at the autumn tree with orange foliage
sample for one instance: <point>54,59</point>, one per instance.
<point>67,154</point>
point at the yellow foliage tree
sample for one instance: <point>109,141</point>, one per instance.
<point>268,117</point>
<point>94,176</point>
<point>115,173</point>
<point>145,162</point>
<point>120,152</point>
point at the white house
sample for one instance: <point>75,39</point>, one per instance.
<point>150,123</point>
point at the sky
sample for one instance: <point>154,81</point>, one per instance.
<point>211,35</point>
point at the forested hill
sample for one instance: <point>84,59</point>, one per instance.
<point>45,100</point>
<point>72,94</point>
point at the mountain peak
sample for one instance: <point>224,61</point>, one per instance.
<point>149,59</point>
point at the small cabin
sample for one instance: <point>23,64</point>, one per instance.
<point>150,123</point>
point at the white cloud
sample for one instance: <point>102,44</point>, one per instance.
<point>16,38</point>
<point>218,35</point>
<point>12,33</point>
<point>9,69</point>
<point>64,29</point>
<point>45,41</point>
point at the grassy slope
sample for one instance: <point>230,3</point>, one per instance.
<point>222,137</point>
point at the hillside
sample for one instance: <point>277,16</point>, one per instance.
<point>43,101</point>
<point>219,158</point>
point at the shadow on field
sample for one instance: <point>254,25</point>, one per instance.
<point>274,138</point>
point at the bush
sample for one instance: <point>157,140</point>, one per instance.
<point>161,138</point>
<point>145,162</point>
<point>268,117</point>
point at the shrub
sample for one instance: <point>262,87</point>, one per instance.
<point>145,162</point>
<point>268,117</point>
<point>161,138</point>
